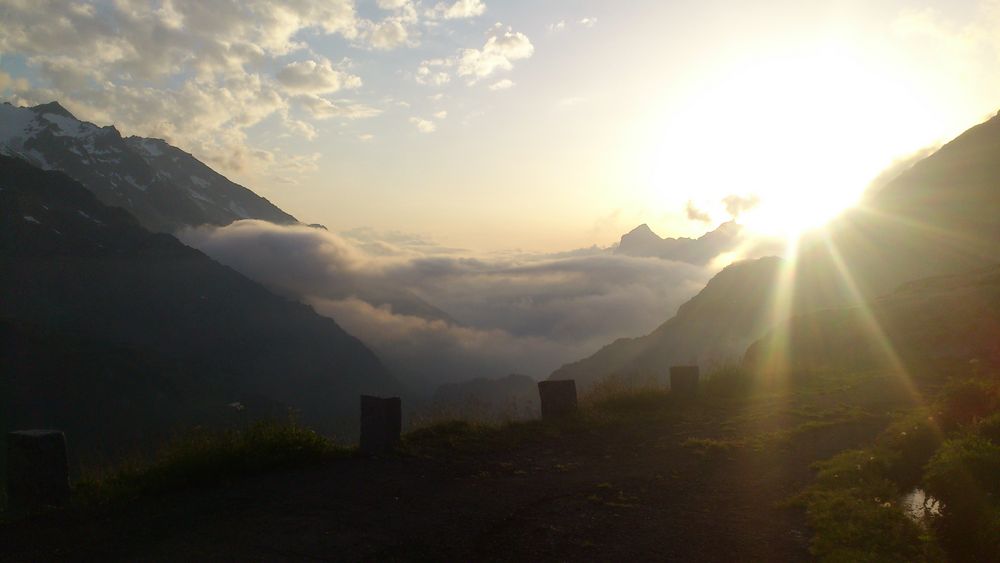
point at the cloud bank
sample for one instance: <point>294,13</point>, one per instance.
<point>437,314</point>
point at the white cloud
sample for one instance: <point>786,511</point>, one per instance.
<point>423,125</point>
<point>502,48</point>
<point>389,34</point>
<point>323,108</point>
<point>588,22</point>
<point>569,102</point>
<point>315,77</point>
<point>476,315</point>
<point>434,72</point>
<point>558,26</point>
<point>504,84</point>
<point>441,114</point>
<point>392,4</point>
<point>458,9</point>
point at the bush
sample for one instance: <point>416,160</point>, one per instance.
<point>200,457</point>
<point>965,476</point>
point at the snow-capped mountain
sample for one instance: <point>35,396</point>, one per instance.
<point>163,186</point>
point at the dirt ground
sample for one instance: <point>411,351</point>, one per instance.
<point>630,489</point>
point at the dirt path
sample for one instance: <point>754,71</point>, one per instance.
<point>617,492</point>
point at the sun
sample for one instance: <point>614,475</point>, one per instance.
<point>803,132</point>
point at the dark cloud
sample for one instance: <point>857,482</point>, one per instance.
<point>436,317</point>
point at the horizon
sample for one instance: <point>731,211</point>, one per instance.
<point>402,117</point>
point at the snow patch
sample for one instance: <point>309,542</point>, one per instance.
<point>31,219</point>
<point>201,183</point>
<point>67,127</point>
<point>151,147</point>
<point>14,122</point>
<point>86,216</point>
<point>238,210</point>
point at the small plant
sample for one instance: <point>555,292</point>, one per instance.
<point>201,457</point>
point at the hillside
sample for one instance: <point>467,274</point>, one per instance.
<point>110,330</point>
<point>941,216</point>
<point>163,186</point>
<point>936,323</point>
<point>714,326</point>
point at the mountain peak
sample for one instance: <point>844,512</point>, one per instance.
<point>642,230</point>
<point>53,108</point>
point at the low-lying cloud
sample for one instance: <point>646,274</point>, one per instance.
<point>437,314</point>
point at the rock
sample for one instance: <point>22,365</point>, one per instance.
<point>37,469</point>
<point>381,424</point>
<point>558,398</point>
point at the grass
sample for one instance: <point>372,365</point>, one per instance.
<point>951,449</point>
<point>202,457</point>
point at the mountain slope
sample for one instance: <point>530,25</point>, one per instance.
<point>940,217</point>
<point>85,280</point>
<point>164,187</point>
<point>714,326</point>
<point>936,323</point>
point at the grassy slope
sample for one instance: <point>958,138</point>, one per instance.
<point>637,474</point>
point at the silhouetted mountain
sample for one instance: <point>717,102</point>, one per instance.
<point>714,326</point>
<point>935,323</point>
<point>108,326</point>
<point>942,216</point>
<point>164,187</point>
<point>642,241</point>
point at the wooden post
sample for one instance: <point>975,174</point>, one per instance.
<point>558,398</point>
<point>684,380</point>
<point>37,469</point>
<point>381,424</point>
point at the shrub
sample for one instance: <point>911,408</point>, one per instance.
<point>200,457</point>
<point>965,476</point>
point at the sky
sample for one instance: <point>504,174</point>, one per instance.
<point>541,125</point>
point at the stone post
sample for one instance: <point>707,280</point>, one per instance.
<point>37,469</point>
<point>558,398</point>
<point>684,380</point>
<point>381,424</point>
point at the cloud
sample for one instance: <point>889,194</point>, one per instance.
<point>434,72</point>
<point>443,114</point>
<point>458,9</point>
<point>388,34</point>
<point>695,214</point>
<point>505,84</point>
<point>323,108</point>
<point>502,48</point>
<point>195,73</point>
<point>442,314</point>
<point>315,77</point>
<point>736,204</point>
<point>588,22</point>
<point>557,26</point>
<point>423,125</point>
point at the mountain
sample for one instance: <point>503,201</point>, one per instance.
<point>937,323</point>
<point>161,185</point>
<point>939,217</point>
<point>643,242</point>
<point>108,328</point>
<point>713,327</point>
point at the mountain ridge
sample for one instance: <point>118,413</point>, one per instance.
<point>162,186</point>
